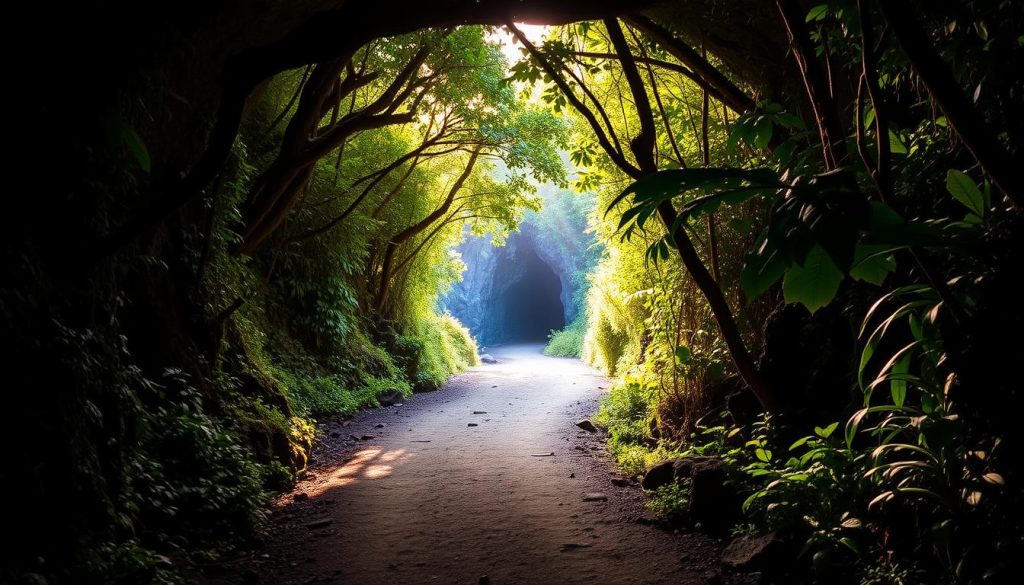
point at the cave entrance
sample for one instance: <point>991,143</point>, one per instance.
<point>531,305</point>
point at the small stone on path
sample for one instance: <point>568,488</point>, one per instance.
<point>595,497</point>
<point>542,454</point>
<point>472,425</point>
<point>479,412</point>
<point>586,425</point>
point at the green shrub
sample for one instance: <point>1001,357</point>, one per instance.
<point>670,501</point>
<point>569,341</point>
<point>192,477</point>
<point>448,349</point>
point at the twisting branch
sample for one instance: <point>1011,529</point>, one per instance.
<point>643,150</point>
<point>617,156</point>
<point>819,93</point>
<point>727,91</point>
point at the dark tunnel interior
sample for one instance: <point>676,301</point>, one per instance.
<point>532,304</point>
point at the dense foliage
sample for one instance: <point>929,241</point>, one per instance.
<point>860,264</point>
<point>810,228</point>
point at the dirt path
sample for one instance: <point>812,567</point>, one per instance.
<point>431,499</point>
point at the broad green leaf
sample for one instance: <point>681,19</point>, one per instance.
<point>683,354</point>
<point>826,432</point>
<point>964,190</point>
<point>872,263</point>
<point>815,283</point>
<point>760,273</point>
<point>898,384</point>
<point>896,145</point>
<point>763,133</point>
<point>818,12</point>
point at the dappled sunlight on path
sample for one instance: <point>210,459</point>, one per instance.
<point>485,477</point>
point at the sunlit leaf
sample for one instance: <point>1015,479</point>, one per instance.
<point>818,12</point>
<point>964,190</point>
<point>898,385</point>
<point>826,432</point>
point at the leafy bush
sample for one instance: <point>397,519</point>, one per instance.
<point>192,477</point>
<point>448,349</point>
<point>670,501</point>
<point>569,341</point>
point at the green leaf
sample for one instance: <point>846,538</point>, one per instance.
<point>817,13</point>
<point>815,283</point>
<point>683,354</point>
<point>761,272</point>
<point>763,133</point>
<point>964,190</point>
<point>872,263</point>
<point>898,384</point>
<point>666,184</point>
<point>896,145</point>
<point>137,147</point>
<point>850,544</point>
<point>826,432</point>
<point>799,442</point>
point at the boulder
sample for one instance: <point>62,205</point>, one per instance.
<point>390,397</point>
<point>488,358</point>
<point>758,552</point>
<point>658,475</point>
<point>712,503</point>
<point>586,425</point>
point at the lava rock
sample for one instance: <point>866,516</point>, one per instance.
<point>390,397</point>
<point>713,503</point>
<point>763,552</point>
<point>488,358</point>
<point>586,425</point>
<point>658,475</point>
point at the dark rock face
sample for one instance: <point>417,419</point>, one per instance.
<point>659,475</point>
<point>390,398</point>
<point>529,286</point>
<point>713,503</point>
<point>509,293</point>
<point>761,552</point>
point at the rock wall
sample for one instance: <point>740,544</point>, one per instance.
<point>506,293</point>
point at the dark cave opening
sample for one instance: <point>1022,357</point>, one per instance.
<point>530,307</point>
